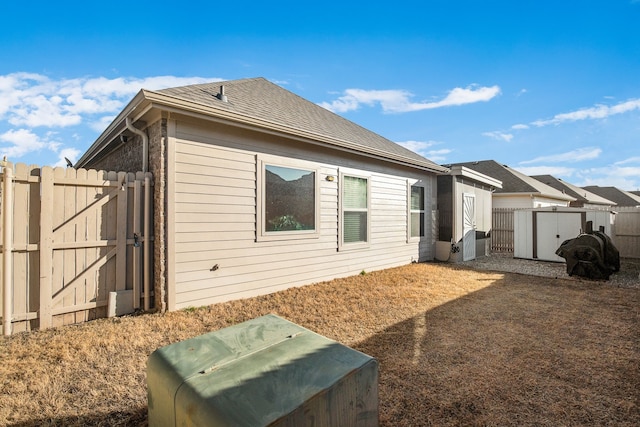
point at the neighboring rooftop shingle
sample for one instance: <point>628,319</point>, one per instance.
<point>579,193</point>
<point>512,180</point>
<point>620,197</point>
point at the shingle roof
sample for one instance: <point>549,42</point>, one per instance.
<point>512,180</point>
<point>620,197</point>
<point>579,193</point>
<point>261,99</point>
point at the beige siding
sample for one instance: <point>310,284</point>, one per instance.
<point>216,255</point>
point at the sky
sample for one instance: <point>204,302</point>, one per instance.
<point>545,87</point>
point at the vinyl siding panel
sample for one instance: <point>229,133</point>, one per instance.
<point>215,216</point>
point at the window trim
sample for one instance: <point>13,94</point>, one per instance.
<point>342,246</point>
<point>410,237</point>
<point>262,235</point>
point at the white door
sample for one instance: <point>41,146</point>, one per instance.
<point>468,226</point>
<point>553,228</point>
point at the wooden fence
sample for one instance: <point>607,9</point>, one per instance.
<point>626,234</point>
<point>502,230</point>
<point>76,245</point>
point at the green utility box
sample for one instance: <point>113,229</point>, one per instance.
<point>264,372</point>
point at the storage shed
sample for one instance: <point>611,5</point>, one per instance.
<point>464,214</point>
<point>539,232</point>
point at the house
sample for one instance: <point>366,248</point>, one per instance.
<point>620,197</point>
<point>584,198</point>
<point>464,214</point>
<point>518,190</point>
<point>258,190</point>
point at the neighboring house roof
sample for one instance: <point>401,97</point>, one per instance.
<point>621,197</point>
<point>513,182</point>
<point>475,176</point>
<point>637,193</point>
<point>258,103</point>
<point>579,193</point>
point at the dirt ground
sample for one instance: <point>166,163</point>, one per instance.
<point>456,346</point>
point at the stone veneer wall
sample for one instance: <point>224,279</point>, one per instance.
<point>127,157</point>
<point>158,166</point>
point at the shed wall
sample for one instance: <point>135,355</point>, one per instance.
<point>213,215</point>
<point>538,233</point>
<point>483,207</point>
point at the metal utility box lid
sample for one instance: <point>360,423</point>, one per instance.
<point>266,371</point>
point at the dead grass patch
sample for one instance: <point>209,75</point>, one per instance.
<point>456,347</point>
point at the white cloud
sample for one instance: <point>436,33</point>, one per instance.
<point>545,170</point>
<point>398,101</point>
<point>578,155</point>
<point>593,113</point>
<point>34,100</point>
<point>519,127</point>
<point>500,136</point>
<point>629,160</point>
<point>68,153</point>
<point>437,156</point>
<point>417,146</point>
<point>624,178</point>
<point>424,148</point>
<point>101,124</point>
<point>30,101</point>
<point>23,141</point>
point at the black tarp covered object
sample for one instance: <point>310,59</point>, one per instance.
<point>591,255</point>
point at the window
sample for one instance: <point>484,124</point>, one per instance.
<point>288,202</point>
<point>416,212</point>
<point>355,210</point>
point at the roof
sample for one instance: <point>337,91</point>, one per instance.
<point>620,197</point>
<point>475,176</point>
<point>513,182</point>
<point>259,104</point>
<point>579,193</point>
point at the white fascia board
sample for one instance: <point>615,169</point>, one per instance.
<point>475,175</point>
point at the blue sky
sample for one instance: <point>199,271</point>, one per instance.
<point>543,86</point>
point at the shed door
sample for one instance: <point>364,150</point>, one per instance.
<point>468,227</point>
<point>553,228</point>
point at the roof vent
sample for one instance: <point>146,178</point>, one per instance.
<point>221,96</point>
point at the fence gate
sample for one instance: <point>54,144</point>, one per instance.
<point>76,245</point>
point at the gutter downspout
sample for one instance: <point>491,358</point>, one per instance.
<point>145,143</point>
<point>147,197</point>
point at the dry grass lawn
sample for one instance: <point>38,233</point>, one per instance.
<point>455,346</point>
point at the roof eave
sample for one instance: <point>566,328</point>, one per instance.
<point>135,109</point>
<point>473,174</point>
<point>147,99</point>
<point>176,104</point>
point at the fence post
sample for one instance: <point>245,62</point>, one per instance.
<point>46,247</point>
<point>147,239</point>
<point>121,233</point>
<point>7,246</point>
<point>136,250</point>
